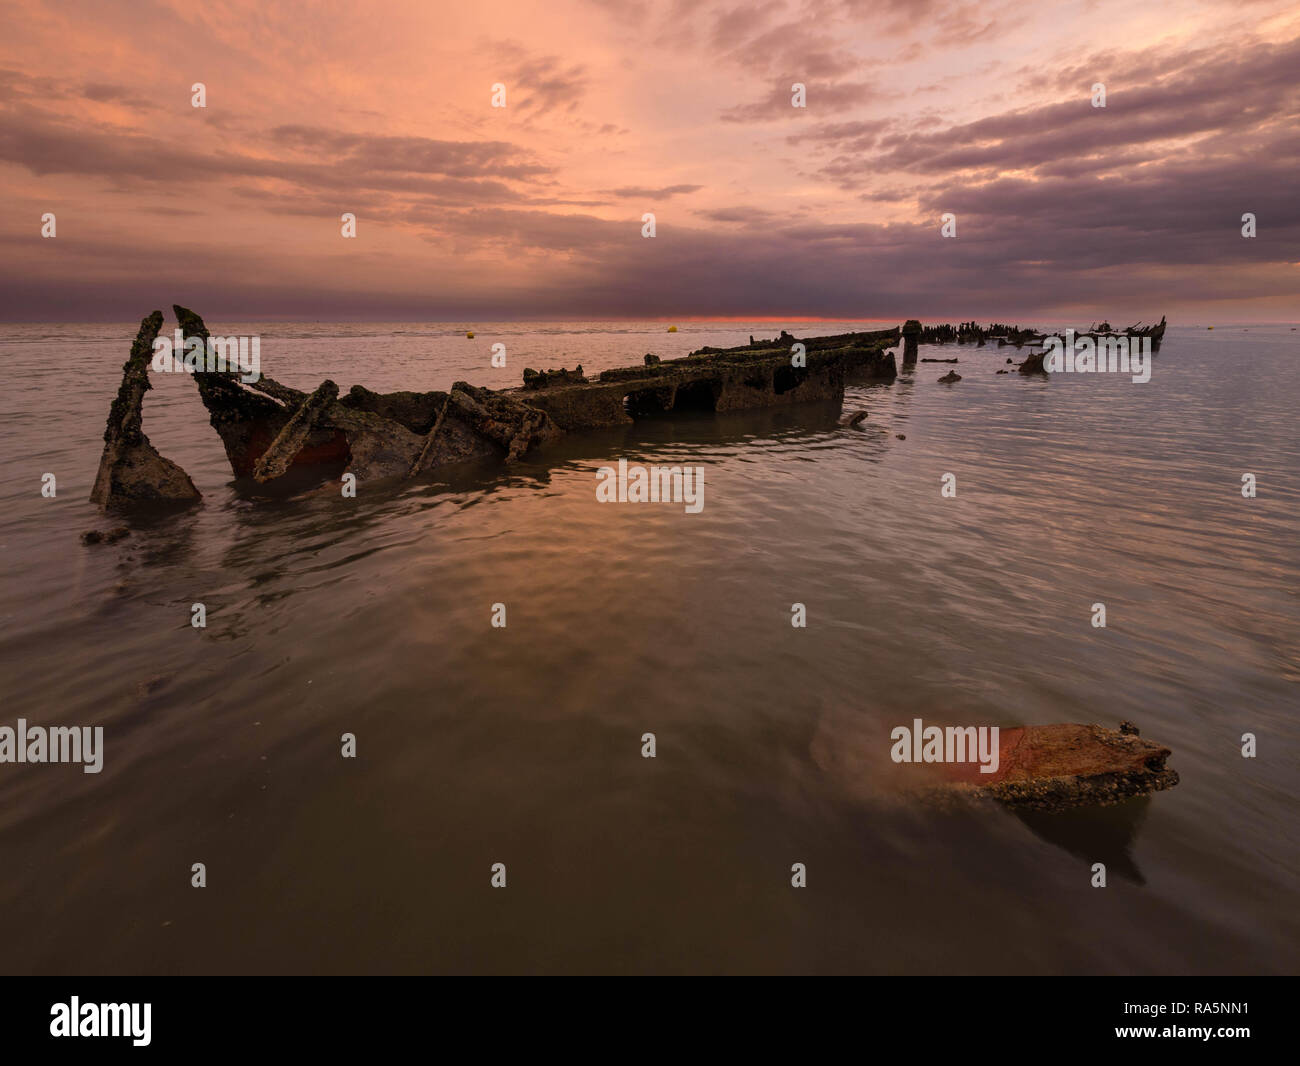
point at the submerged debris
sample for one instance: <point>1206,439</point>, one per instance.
<point>1053,767</point>
<point>1033,363</point>
<point>105,536</point>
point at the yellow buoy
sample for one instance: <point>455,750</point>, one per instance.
<point>1209,327</point>
<point>672,329</point>
<point>470,334</point>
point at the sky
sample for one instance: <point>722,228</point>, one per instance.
<point>679,108</point>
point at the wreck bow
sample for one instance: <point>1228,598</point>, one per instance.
<point>130,468</point>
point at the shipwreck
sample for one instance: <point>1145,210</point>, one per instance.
<point>269,430</point>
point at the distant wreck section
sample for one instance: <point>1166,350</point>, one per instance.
<point>1002,334</point>
<point>269,429</point>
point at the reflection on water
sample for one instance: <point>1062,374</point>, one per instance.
<point>1106,835</point>
<point>522,745</point>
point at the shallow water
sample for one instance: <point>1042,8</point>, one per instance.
<point>521,745</point>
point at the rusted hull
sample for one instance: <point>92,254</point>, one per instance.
<point>1056,767</point>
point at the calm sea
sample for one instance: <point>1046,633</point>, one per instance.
<point>479,745</point>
